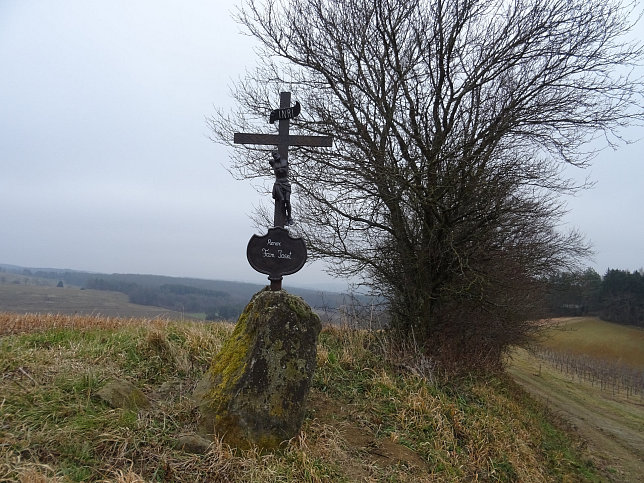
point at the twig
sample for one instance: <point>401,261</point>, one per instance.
<point>28,375</point>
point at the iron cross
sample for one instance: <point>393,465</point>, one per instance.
<point>283,140</point>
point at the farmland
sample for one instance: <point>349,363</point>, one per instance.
<point>70,300</point>
<point>40,290</point>
<point>621,344</point>
<point>579,370</point>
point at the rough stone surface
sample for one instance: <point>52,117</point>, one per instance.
<point>193,443</point>
<point>123,394</point>
<point>255,390</point>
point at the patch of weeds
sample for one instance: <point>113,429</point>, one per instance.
<point>558,450</point>
<point>560,456</point>
<point>503,470</point>
<point>175,336</point>
<point>296,464</point>
<point>50,338</point>
<point>126,419</point>
<point>77,458</point>
<point>78,385</point>
<point>91,420</point>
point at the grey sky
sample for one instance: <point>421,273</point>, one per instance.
<point>106,164</point>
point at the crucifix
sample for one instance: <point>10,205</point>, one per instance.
<point>277,253</point>
<point>280,158</point>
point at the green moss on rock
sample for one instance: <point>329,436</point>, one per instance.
<point>255,390</point>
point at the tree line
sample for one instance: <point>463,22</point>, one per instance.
<point>618,296</point>
<point>215,304</point>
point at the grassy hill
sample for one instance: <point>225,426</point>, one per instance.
<point>373,414</point>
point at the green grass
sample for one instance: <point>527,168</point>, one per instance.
<point>369,417</point>
<point>590,336</point>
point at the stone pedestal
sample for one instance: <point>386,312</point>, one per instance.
<point>255,390</point>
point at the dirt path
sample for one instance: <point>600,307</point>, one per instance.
<point>612,427</point>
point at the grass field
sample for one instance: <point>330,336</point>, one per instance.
<point>373,415</point>
<point>610,421</point>
<point>21,298</point>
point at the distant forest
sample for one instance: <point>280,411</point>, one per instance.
<point>216,304</point>
<point>617,297</point>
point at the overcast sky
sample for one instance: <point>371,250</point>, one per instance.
<point>106,161</point>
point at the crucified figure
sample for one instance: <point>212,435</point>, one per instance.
<point>282,186</point>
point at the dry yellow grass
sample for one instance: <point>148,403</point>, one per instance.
<point>374,414</point>
<point>22,323</point>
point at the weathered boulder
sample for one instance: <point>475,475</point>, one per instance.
<point>123,394</point>
<point>255,390</point>
<point>192,443</point>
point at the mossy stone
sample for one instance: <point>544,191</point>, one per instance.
<point>123,394</point>
<point>255,390</point>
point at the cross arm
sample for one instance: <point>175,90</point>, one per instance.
<point>317,141</point>
<point>247,138</point>
<point>273,139</point>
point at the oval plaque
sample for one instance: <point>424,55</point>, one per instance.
<point>276,254</point>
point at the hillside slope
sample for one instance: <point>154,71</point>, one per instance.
<point>24,299</point>
<point>218,299</point>
<point>372,416</point>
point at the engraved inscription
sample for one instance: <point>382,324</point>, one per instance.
<point>276,253</point>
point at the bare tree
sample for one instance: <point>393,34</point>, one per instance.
<point>452,121</point>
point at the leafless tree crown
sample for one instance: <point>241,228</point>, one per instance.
<point>452,122</point>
